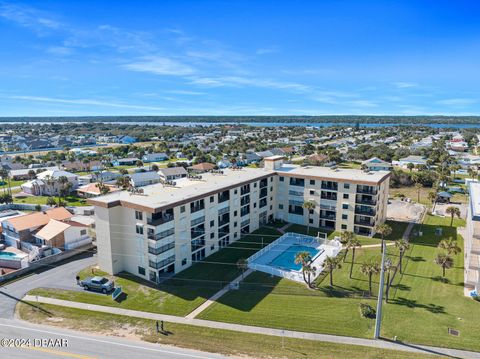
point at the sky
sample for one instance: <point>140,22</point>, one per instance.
<point>179,57</point>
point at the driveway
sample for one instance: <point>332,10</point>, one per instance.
<point>59,275</point>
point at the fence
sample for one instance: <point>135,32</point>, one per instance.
<point>78,243</point>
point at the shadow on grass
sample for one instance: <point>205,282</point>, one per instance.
<point>410,303</point>
<point>441,279</point>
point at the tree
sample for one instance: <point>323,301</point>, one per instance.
<point>402,245</point>
<point>305,259</point>
<point>445,261</point>
<point>388,266</point>
<point>453,211</point>
<point>354,243</point>
<point>450,246</point>
<point>345,238</point>
<point>418,186</point>
<point>432,197</point>
<point>155,168</point>
<point>32,174</point>
<point>123,171</point>
<point>242,264</point>
<point>370,269</point>
<point>410,166</point>
<point>139,163</point>
<point>384,230</point>
<point>332,263</point>
<point>51,202</point>
<point>308,205</point>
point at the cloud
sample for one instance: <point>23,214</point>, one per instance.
<point>457,101</point>
<point>241,81</point>
<point>404,85</point>
<point>86,102</point>
<point>186,92</point>
<point>362,103</point>
<point>59,50</point>
<point>266,51</point>
<point>160,65</point>
<point>29,17</point>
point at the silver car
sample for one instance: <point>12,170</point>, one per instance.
<point>100,284</point>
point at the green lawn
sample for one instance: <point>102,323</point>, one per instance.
<point>226,342</point>
<point>412,192</point>
<point>182,293</point>
<point>421,309</point>
<point>70,200</point>
<point>13,183</point>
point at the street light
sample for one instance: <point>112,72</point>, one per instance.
<point>378,319</point>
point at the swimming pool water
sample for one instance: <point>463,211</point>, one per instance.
<point>8,255</point>
<point>287,258</point>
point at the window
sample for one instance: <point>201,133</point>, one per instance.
<point>235,224</point>
<point>312,182</point>
<point>141,270</point>
<point>280,206</point>
<point>271,207</point>
<point>235,192</point>
<point>344,226</point>
<point>282,179</point>
<point>312,192</point>
<point>310,211</point>
<point>235,235</point>
<point>271,179</point>
<point>345,216</point>
<point>255,185</point>
<point>182,209</point>
<point>212,235</point>
<point>345,196</point>
<point>184,261</point>
<point>83,232</point>
<point>345,205</point>
<point>212,223</point>
<point>139,216</point>
<point>212,247</point>
<point>346,185</point>
<point>139,229</point>
<point>254,205</point>
<point>310,220</point>
<point>235,213</point>
<point>212,199</point>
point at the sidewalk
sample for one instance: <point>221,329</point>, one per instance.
<point>383,344</point>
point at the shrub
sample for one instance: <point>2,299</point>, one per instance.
<point>367,311</point>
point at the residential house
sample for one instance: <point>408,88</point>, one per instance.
<point>92,190</point>
<point>125,161</point>
<point>172,173</point>
<point>376,164</point>
<point>47,183</point>
<point>64,235</point>
<point>415,160</point>
<point>154,157</point>
<point>141,179</point>
<point>201,167</point>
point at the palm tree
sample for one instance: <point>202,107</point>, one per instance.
<point>445,261</point>
<point>402,245</point>
<point>370,268</point>
<point>418,186</point>
<point>305,259</point>
<point>345,239</point>
<point>332,263</point>
<point>242,264</point>
<point>450,246</point>
<point>384,230</point>
<point>388,267</point>
<point>308,205</point>
<point>453,211</point>
<point>354,243</point>
<point>432,196</point>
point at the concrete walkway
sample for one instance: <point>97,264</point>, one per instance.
<point>383,344</point>
<point>217,295</point>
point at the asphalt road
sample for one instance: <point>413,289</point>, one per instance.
<point>41,342</point>
<point>59,275</point>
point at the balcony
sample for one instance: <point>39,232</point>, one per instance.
<point>198,220</point>
<point>326,215</point>
<point>263,203</point>
<point>366,200</point>
<point>223,220</point>
<point>263,192</point>
<point>365,211</point>
<point>160,218</point>
<point>223,211</point>
<point>330,186</point>
<point>224,196</point>
<point>245,190</point>
<point>367,190</point>
<point>263,183</point>
<point>332,196</point>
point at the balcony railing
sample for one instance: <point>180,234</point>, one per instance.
<point>330,187</point>
<point>328,216</point>
<point>197,221</point>
<point>223,211</point>
<point>161,249</point>
<point>367,190</point>
<point>161,264</point>
<point>364,222</point>
<point>366,211</point>
<point>224,221</point>
<point>366,201</point>
<point>332,196</point>
<point>158,221</point>
<point>161,235</point>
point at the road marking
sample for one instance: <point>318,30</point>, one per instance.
<point>58,352</point>
<point>107,342</point>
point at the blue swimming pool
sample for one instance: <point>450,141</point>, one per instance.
<point>286,259</point>
<point>9,255</point>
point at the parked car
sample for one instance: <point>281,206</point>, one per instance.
<point>100,284</point>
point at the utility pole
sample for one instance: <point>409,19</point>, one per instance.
<point>378,319</point>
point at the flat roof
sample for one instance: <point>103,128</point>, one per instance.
<point>474,189</point>
<point>157,197</point>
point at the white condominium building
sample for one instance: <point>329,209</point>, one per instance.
<point>169,226</point>
<point>472,242</point>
